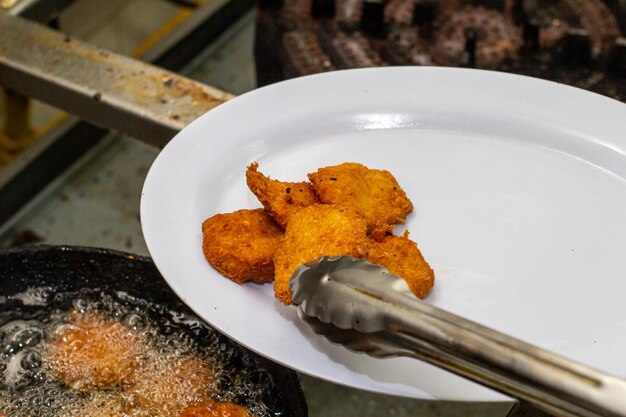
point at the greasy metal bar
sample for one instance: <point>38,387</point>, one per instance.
<point>102,87</point>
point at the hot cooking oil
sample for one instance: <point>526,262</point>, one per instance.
<point>138,359</point>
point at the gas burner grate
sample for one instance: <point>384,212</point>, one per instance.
<point>576,42</point>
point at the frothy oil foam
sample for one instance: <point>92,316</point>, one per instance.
<point>104,354</point>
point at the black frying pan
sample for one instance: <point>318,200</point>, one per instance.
<point>66,268</point>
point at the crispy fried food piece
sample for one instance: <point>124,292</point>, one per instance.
<point>313,232</point>
<point>89,352</point>
<point>241,245</point>
<point>402,257</point>
<point>373,193</point>
<point>169,383</point>
<point>280,199</point>
<point>210,408</point>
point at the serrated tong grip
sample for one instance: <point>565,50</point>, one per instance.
<point>367,309</point>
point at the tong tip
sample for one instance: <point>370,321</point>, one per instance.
<point>347,292</point>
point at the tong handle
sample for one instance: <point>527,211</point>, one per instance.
<point>554,383</point>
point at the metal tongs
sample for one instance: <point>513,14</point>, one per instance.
<point>367,309</point>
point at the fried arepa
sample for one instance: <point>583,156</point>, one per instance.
<point>373,193</point>
<point>315,231</point>
<point>90,352</point>
<point>401,256</point>
<point>241,245</point>
<point>280,199</point>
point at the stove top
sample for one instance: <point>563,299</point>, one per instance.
<point>576,42</point>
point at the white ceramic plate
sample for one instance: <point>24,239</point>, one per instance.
<point>519,188</point>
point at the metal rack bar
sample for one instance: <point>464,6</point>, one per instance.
<point>105,88</point>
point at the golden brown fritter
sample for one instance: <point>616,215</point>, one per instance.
<point>280,199</point>
<point>373,193</point>
<point>316,231</point>
<point>241,245</point>
<point>90,352</point>
<point>402,257</point>
<point>212,408</point>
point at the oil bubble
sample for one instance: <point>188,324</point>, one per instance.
<point>134,321</point>
<point>31,360</point>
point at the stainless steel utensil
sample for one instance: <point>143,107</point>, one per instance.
<point>367,309</point>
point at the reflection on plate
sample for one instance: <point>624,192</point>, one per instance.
<point>519,187</point>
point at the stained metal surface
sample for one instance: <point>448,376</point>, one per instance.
<point>102,87</point>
